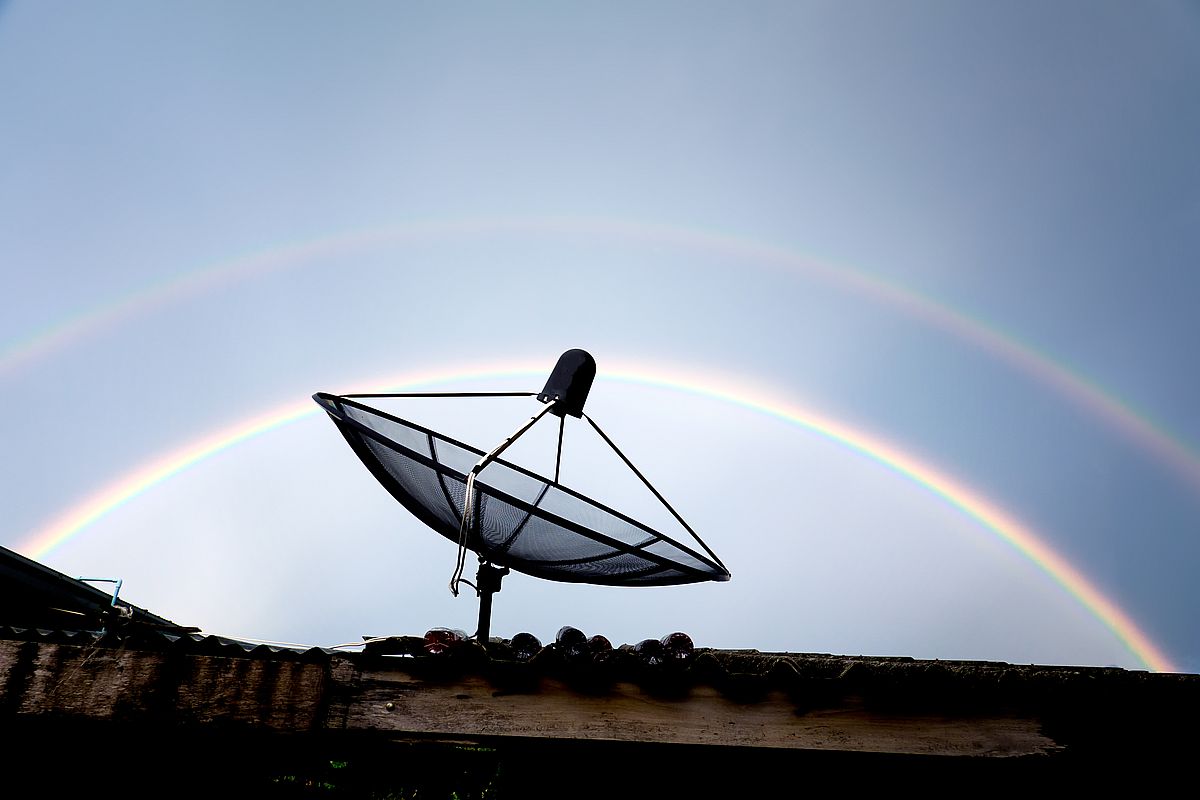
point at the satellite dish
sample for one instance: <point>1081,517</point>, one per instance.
<point>510,517</point>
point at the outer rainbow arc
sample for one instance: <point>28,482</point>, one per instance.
<point>1019,536</point>
<point>1131,424</point>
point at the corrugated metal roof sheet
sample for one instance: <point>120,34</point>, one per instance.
<point>32,594</point>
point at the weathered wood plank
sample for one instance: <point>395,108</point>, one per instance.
<point>344,694</point>
<point>471,706</point>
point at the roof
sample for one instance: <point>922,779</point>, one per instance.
<point>555,717</point>
<point>147,680</point>
<point>34,595</point>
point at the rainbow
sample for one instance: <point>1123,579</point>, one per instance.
<point>1135,427</point>
<point>710,385</point>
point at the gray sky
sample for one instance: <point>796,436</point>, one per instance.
<point>696,186</point>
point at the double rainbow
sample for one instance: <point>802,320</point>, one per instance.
<point>992,518</point>
<point>1101,404</point>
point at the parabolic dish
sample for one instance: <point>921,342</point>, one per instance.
<point>522,520</point>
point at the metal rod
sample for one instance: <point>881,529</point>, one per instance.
<point>484,632</point>
<point>444,394</point>
<point>517,434</point>
<point>487,583</point>
<point>468,517</point>
<point>650,486</point>
<point>562,421</point>
<point>469,501</point>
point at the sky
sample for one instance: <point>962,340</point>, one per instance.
<point>893,302</point>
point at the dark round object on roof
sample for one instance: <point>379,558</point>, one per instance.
<point>570,635</point>
<point>442,640</point>
<point>677,646</point>
<point>571,642</point>
<point>599,644</point>
<point>525,646</point>
<point>650,651</point>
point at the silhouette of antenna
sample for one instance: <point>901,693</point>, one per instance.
<point>512,518</point>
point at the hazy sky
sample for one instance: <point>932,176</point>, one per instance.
<point>970,230</point>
